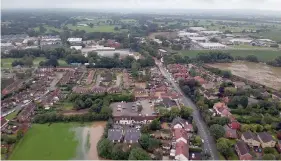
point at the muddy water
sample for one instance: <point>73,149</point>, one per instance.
<point>257,72</point>
<point>88,137</point>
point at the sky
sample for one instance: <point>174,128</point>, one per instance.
<point>274,5</point>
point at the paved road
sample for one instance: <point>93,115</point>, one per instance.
<point>209,143</point>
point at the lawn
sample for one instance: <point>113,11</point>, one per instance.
<point>66,105</point>
<point>261,54</point>
<point>7,62</point>
<point>44,142</point>
<point>101,28</point>
<point>11,115</point>
<point>274,34</point>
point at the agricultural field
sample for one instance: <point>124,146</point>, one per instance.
<point>7,62</point>
<point>272,34</point>
<point>101,28</point>
<point>263,55</point>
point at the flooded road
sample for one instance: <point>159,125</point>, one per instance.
<point>88,137</point>
<point>257,72</point>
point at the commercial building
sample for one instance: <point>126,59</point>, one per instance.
<point>212,46</point>
<point>197,29</point>
<point>199,39</point>
<point>210,32</point>
<point>240,41</point>
<point>182,34</point>
<point>75,41</point>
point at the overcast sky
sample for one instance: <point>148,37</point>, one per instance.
<point>145,4</point>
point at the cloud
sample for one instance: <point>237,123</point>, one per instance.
<point>145,4</point>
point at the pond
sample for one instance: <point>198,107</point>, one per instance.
<point>257,72</point>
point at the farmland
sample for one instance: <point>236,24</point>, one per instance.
<point>7,62</point>
<point>262,55</point>
<point>101,28</point>
<point>44,142</point>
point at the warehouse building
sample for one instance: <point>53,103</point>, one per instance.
<point>212,46</point>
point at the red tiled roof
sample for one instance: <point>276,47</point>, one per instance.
<point>182,148</point>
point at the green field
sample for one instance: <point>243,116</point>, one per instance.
<point>272,34</point>
<point>262,55</point>
<point>101,28</point>
<point>44,142</point>
<point>11,115</point>
<point>49,28</point>
<point>7,62</point>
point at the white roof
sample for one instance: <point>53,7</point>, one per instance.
<point>158,41</point>
<point>183,33</point>
<point>7,44</point>
<point>162,50</point>
<point>211,45</point>
<point>241,40</point>
<point>198,38</point>
<point>211,32</point>
<point>76,47</point>
<point>267,40</point>
<point>197,28</point>
<point>74,39</point>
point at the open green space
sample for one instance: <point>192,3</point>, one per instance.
<point>263,55</point>
<point>66,105</point>
<point>7,62</point>
<point>47,142</point>
<point>49,28</point>
<point>11,115</point>
<point>101,28</point>
<point>274,34</point>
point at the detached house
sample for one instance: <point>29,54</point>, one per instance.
<point>182,151</point>
<point>243,151</point>
<point>251,139</point>
<point>221,109</point>
<point>179,123</point>
<point>266,140</point>
<point>230,133</point>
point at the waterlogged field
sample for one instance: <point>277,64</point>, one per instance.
<point>59,141</point>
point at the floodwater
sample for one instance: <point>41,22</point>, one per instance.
<point>88,137</point>
<point>257,72</point>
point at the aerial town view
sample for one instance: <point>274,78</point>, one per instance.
<point>141,80</point>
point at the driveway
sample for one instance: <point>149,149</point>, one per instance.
<point>203,130</point>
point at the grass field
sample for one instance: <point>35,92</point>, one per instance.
<point>11,115</point>
<point>272,34</point>
<point>262,55</point>
<point>102,28</point>
<point>7,62</point>
<point>49,28</point>
<point>44,142</point>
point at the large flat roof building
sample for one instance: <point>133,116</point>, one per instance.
<point>187,34</point>
<point>198,39</point>
<point>197,29</point>
<point>212,46</point>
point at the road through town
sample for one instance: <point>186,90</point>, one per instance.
<point>209,143</point>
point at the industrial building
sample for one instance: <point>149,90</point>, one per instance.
<point>212,46</point>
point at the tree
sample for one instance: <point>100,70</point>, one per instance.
<point>118,153</point>
<point>104,148</point>
<point>252,58</point>
<point>30,43</point>
<point>19,134</point>
<point>186,112</point>
<point>268,157</point>
<point>155,125</point>
<point>139,154</point>
<point>268,150</point>
<point>116,28</point>
<point>144,141</point>
<point>213,39</point>
<point>217,131</point>
<point>224,147</point>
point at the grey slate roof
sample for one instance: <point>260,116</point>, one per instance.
<point>132,135</point>
<point>265,137</point>
<point>114,134</point>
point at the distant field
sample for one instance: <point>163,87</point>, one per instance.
<point>102,28</point>
<point>7,62</point>
<point>47,142</point>
<point>262,55</point>
<point>272,34</point>
<point>49,28</point>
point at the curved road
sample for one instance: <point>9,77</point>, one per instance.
<point>209,143</point>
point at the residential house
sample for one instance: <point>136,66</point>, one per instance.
<point>179,123</point>
<point>221,109</point>
<point>200,79</point>
<point>182,151</point>
<point>251,139</point>
<point>115,135</point>
<point>132,136</point>
<point>208,86</point>
<point>230,133</point>
<point>278,146</point>
<point>114,90</point>
<point>140,93</point>
<point>266,140</point>
<point>234,124</point>
<point>243,151</point>
<point>98,89</point>
<point>4,123</point>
